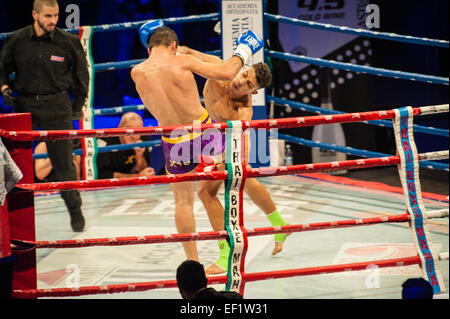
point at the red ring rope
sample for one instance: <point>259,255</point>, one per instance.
<point>133,240</point>
<point>265,124</point>
<point>247,277</point>
<point>217,175</point>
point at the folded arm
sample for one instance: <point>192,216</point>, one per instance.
<point>199,55</point>
<point>42,167</point>
<point>224,71</point>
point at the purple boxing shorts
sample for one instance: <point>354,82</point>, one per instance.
<point>182,149</point>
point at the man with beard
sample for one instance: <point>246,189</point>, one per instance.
<point>49,63</point>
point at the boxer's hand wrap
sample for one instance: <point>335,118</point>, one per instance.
<point>206,164</point>
<point>248,44</point>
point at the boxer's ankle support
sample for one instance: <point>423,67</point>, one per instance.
<point>276,220</point>
<point>224,249</point>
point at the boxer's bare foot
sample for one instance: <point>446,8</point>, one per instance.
<point>279,242</point>
<point>214,270</point>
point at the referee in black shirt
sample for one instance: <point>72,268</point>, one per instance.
<point>49,63</point>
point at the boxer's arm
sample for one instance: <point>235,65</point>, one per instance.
<point>225,71</point>
<point>42,166</point>
<point>124,175</point>
<point>141,159</point>
<point>199,55</point>
<point>77,163</point>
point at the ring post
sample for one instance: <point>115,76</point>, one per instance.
<point>409,176</point>
<point>21,203</point>
<point>89,145</point>
<point>6,259</point>
<point>234,214</point>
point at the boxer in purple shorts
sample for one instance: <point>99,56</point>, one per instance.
<point>166,85</point>
<point>181,159</point>
<point>231,101</point>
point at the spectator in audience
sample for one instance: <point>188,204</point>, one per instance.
<point>193,284</point>
<point>417,288</point>
<point>126,163</point>
<point>43,169</point>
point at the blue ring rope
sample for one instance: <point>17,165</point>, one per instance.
<point>288,103</point>
<point>384,123</point>
<point>112,66</point>
<point>352,151</point>
<point>119,109</point>
<point>109,148</point>
<point>358,68</point>
<point>136,24</point>
<point>316,61</point>
<point>358,32</point>
<point>268,17</point>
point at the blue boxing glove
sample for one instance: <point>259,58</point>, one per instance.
<point>248,44</point>
<point>146,30</point>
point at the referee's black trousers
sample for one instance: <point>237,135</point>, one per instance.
<point>54,113</point>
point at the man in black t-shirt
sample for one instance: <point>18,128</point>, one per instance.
<point>50,65</point>
<point>127,163</point>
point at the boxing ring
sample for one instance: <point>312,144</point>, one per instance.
<point>415,218</point>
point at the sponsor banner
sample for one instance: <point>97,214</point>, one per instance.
<point>238,17</point>
<point>89,145</point>
<point>313,42</point>
<point>349,91</point>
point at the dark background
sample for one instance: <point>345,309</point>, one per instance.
<point>111,87</point>
<point>413,17</point>
<point>367,92</point>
